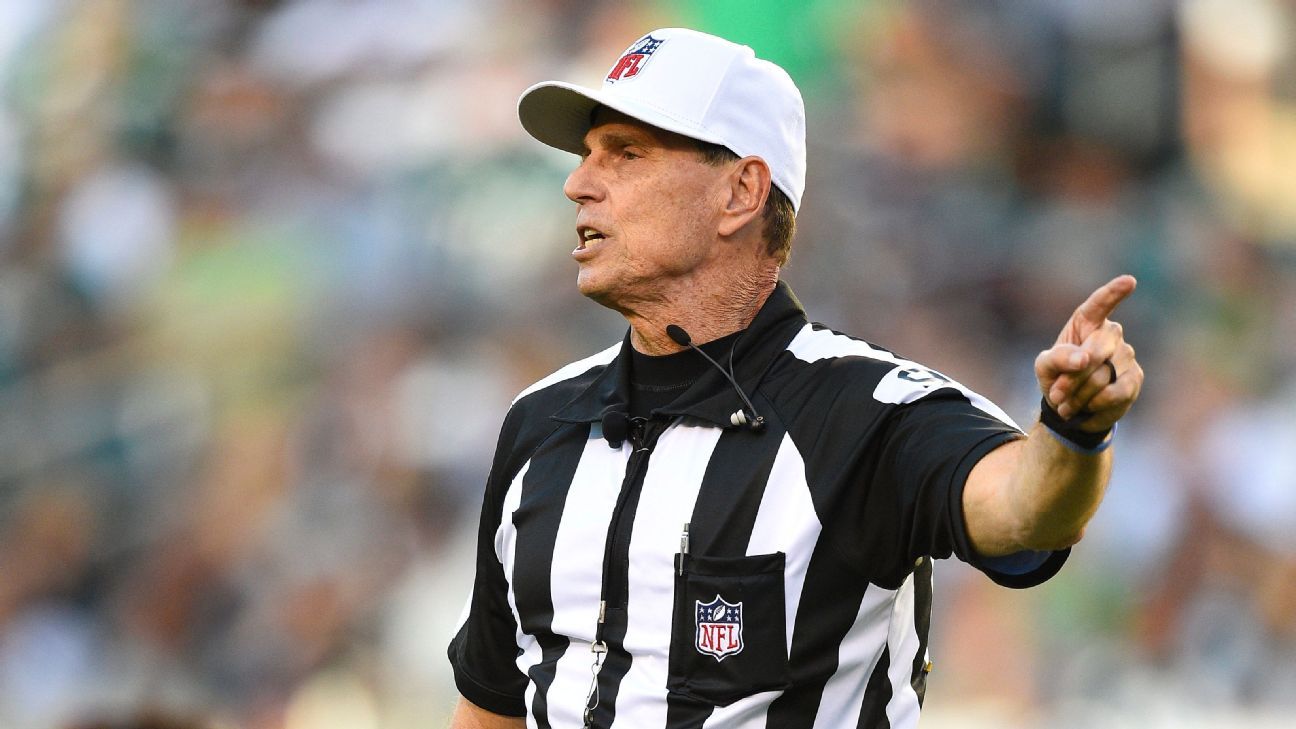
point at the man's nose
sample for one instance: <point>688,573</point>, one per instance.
<point>582,185</point>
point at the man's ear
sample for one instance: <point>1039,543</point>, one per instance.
<point>748,188</point>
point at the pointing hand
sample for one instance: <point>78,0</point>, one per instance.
<point>1074,375</point>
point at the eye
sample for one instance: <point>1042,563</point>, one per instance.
<point>629,154</point>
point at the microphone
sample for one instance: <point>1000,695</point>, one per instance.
<point>755,423</point>
<point>616,428</point>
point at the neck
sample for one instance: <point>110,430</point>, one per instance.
<point>707,313</point>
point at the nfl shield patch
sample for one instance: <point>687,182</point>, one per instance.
<point>633,60</point>
<point>719,628</point>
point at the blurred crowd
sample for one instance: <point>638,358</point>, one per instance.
<point>271,271</point>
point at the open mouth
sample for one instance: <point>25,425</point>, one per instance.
<point>588,236</point>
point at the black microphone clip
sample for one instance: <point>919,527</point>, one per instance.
<point>616,428</point>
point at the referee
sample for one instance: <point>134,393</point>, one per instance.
<point>728,518</point>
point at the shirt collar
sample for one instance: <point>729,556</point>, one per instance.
<point>711,397</point>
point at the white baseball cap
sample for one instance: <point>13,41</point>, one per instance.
<point>689,83</point>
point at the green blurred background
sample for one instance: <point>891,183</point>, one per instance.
<point>270,273</point>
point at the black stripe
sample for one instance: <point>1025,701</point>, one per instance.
<point>616,575</point>
<point>544,497</point>
<point>922,625</point>
<point>877,695</point>
<point>731,491</point>
<point>723,517</point>
<point>830,602</point>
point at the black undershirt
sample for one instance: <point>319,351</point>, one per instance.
<point>655,382</point>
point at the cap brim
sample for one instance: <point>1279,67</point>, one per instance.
<point>559,114</point>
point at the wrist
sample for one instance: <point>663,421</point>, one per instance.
<point>1068,431</point>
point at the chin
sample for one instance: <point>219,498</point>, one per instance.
<point>588,284</point>
<point>600,292</point>
<point>598,295</point>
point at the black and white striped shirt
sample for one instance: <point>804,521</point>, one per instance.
<point>801,594</point>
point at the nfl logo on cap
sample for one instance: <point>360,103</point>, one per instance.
<point>633,60</point>
<point>719,628</point>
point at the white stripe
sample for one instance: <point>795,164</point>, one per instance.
<point>669,493</point>
<point>506,552</point>
<point>749,712</point>
<point>812,345</point>
<point>574,369</point>
<point>576,574</point>
<point>903,643</point>
<point>907,382</point>
<point>786,522</point>
<point>858,653</point>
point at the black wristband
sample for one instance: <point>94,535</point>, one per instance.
<point>1069,430</point>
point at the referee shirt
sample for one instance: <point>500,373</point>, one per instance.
<point>779,578</point>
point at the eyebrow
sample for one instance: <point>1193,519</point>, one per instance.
<point>610,138</point>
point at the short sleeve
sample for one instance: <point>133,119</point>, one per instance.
<point>483,653</point>
<point>927,450</point>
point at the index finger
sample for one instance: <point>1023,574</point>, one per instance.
<point>1103,302</point>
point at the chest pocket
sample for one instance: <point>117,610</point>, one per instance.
<point>728,631</point>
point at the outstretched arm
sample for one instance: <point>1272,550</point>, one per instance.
<point>1039,493</point>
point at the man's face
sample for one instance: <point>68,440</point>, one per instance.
<point>649,207</point>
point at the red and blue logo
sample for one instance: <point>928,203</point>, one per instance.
<point>632,62</point>
<point>719,628</point>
